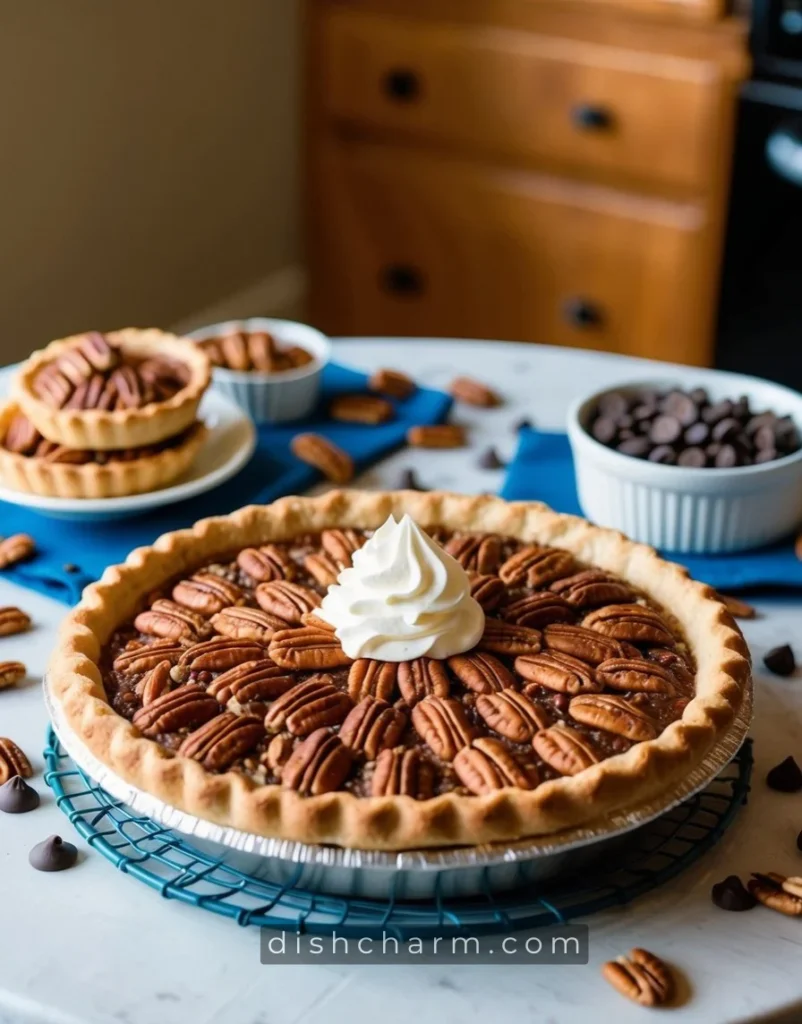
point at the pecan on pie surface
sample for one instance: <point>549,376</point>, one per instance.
<point>223,672</point>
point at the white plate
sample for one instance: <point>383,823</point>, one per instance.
<point>229,445</point>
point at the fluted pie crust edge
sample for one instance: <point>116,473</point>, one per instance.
<point>397,823</point>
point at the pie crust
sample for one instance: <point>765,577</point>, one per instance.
<point>400,822</point>
<point>120,428</point>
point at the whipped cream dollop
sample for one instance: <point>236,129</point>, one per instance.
<point>403,598</point>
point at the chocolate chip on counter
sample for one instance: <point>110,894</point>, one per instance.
<point>522,424</point>
<point>664,454</point>
<point>665,430</point>
<point>639,447</point>
<point>54,854</point>
<point>785,777</point>
<point>490,459</point>
<point>408,481</point>
<point>605,429</point>
<point>17,797</point>
<point>693,458</point>
<point>696,434</point>
<point>780,660</point>
<point>69,567</point>
<point>732,894</point>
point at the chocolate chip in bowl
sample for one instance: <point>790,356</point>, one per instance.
<point>691,469</point>
<point>271,368</point>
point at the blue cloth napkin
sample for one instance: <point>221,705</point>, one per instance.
<point>543,470</point>
<point>73,553</point>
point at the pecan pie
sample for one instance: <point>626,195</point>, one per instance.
<point>122,390</point>
<point>204,670</point>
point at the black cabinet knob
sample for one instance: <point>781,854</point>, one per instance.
<point>582,313</point>
<point>402,85</point>
<point>402,279</point>
<point>591,118</point>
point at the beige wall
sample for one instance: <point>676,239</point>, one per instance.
<point>148,159</point>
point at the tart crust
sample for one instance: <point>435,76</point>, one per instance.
<point>396,823</point>
<point>114,479</point>
<point>120,428</point>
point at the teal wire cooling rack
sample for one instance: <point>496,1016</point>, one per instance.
<point>167,862</point>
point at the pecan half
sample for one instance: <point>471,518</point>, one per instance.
<point>507,638</point>
<point>220,653</point>
<point>402,772</point>
<point>318,765</point>
<point>441,723</point>
<point>372,726</point>
<point>155,683</point>
<point>310,705</point>
<point>321,568</point>
<point>564,750</point>
<point>252,681</point>
<point>341,545</point>
<point>285,600</point>
<point>777,892</point>
<point>512,715</point>
<point>13,620</point>
<point>473,392</point>
<point>262,350</point>
<point>481,672</point>
<point>366,409</point>
<point>206,593</point>
<point>392,383</point>
<point>631,622</point>
<point>585,644</point>
<point>222,740</point>
<point>558,672</point>
<point>278,753</point>
<point>22,436</point>
<point>129,387</point>
<point>476,552</point>
<point>423,677</point>
<point>96,349</point>
<point>142,659</point>
<point>538,610</point>
<point>16,548</point>
<point>307,648</point>
<point>593,588</point>
<point>537,566</point>
<point>170,621</point>
<point>52,387</point>
<point>266,563</point>
<point>613,714</point>
<point>487,765</point>
<point>442,435</point>
<point>75,366</point>
<point>489,591</point>
<point>367,677</point>
<point>234,349</point>
<point>185,708</point>
<point>13,761</point>
<point>638,675</point>
<point>641,977</point>
<point>334,463</point>
<point>242,623</point>
<point>11,673</point>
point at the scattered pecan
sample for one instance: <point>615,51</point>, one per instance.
<point>242,623</point>
<point>641,977</point>
<point>366,409</point>
<point>220,653</point>
<point>307,648</point>
<point>206,593</point>
<point>631,622</point>
<point>142,659</point>
<point>372,678</point>
<point>423,677</point>
<point>185,708</point>
<point>777,892</point>
<point>11,673</point>
<point>219,742</point>
<point>392,383</point>
<point>476,552</point>
<point>512,715</point>
<point>266,563</point>
<point>318,765</point>
<point>443,435</point>
<point>559,672</point>
<point>564,749</point>
<point>489,591</point>
<point>372,726</point>
<point>22,436</point>
<point>96,349</point>
<point>252,681</point>
<point>13,620</point>
<point>13,761</point>
<point>334,463</point>
<point>507,638</point>
<point>585,644</point>
<point>155,683</point>
<point>536,566</point>
<point>341,545</point>
<point>736,607</point>
<point>538,610</point>
<point>403,772</point>
<point>15,549</point>
<point>321,568</point>
<point>487,765</point>
<point>592,588</point>
<point>278,753</point>
<point>285,600</point>
<point>639,675</point>
<point>310,705</point>
<point>473,392</point>
<point>441,723</point>
<point>481,672</point>
<point>613,714</point>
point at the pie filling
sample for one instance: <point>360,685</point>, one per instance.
<point>238,667</point>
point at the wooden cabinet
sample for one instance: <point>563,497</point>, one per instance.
<point>476,174</point>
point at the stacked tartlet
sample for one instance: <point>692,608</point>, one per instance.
<point>102,416</point>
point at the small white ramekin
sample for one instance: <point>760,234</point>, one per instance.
<point>685,510</point>
<point>272,397</point>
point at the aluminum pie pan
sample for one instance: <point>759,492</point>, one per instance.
<point>408,874</point>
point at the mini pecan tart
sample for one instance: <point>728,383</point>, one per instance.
<point>31,463</point>
<point>400,670</point>
<point>126,389</point>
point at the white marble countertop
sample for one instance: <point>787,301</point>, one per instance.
<point>92,946</point>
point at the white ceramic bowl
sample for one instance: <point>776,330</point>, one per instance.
<point>273,397</point>
<point>688,510</point>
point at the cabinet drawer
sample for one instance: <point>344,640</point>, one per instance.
<point>642,116</point>
<point>418,245</point>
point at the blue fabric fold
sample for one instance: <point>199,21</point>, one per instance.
<point>543,470</point>
<point>72,553</point>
